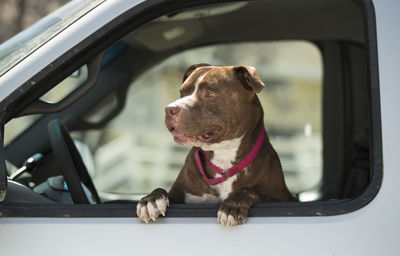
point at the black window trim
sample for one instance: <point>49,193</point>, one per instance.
<point>122,25</point>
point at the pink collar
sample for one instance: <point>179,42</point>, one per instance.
<point>225,174</point>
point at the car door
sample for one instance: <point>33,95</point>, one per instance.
<point>345,218</point>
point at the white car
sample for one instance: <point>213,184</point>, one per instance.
<point>82,94</point>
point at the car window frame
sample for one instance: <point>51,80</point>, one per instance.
<point>145,12</point>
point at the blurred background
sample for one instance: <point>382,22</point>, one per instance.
<point>16,15</point>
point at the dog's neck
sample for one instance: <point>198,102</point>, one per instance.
<point>224,154</point>
<point>228,153</point>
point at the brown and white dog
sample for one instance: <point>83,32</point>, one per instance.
<point>220,113</point>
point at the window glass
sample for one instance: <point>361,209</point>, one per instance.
<point>66,86</point>
<point>18,125</point>
<point>136,153</point>
<point>24,43</point>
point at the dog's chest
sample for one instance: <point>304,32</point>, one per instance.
<point>223,190</point>
<point>224,155</point>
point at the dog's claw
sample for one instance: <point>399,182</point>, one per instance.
<point>138,209</point>
<point>149,208</point>
<point>227,219</point>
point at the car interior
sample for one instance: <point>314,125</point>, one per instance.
<point>45,164</point>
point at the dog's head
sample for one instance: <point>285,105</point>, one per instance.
<point>216,104</point>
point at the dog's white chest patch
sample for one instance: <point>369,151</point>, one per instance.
<point>205,198</point>
<point>224,188</point>
<point>224,152</point>
<point>224,156</point>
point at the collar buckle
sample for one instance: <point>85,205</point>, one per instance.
<point>225,174</point>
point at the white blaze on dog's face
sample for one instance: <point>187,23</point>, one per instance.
<point>190,100</point>
<point>216,104</point>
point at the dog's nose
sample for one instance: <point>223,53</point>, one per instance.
<point>170,111</point>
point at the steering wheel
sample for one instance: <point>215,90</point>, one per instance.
<point>70,162</point>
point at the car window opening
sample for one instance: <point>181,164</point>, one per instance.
<point>316,110</point>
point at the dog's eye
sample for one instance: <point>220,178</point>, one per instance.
<point>210,94</point>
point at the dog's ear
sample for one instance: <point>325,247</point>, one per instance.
<point>249,78</point>
<point>193,68</point>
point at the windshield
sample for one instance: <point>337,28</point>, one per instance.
<point>24,43</point>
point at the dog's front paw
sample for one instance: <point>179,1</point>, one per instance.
<point>151,206</point>
<point>232,212</point>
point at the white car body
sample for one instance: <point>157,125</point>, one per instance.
<point>371,230</point>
